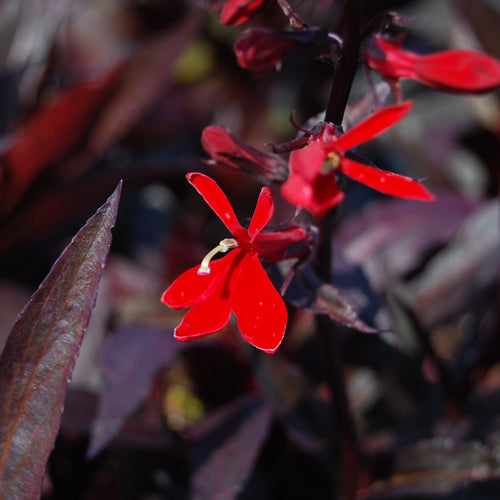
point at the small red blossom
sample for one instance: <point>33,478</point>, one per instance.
<point>226,149</point>
<point>458,71</point>
<point>312,181</point>
<point>237,282</point>
<point>261,48</point>
<point>237,12</point>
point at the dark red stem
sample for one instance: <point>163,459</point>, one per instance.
<point>328,334</point>
<point>344,75</point>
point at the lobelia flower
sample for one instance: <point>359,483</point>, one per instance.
<point>237,12</point>
<point>236,282</point>
<point>261,48</point>
<point>312,181</point>
<point>458,71</point>
<point>226,149</point>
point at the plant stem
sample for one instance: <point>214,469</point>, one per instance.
<point>330,352</point>
<point>328,335</point>
<point>344,75</point>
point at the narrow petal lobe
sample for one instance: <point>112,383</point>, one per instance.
<point>262,214</point>
<point>217,201</point>
<point>386,182</point>
<point>373,125</point>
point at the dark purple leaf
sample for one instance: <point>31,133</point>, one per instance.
<point>40,353</point>
<point>307,291</point>
<point>223,475</point>
<point>435,468</point>
<point>391,238</point>
<point>131,359</point>
<point>453,276</point>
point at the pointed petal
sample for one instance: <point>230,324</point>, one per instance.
<point>260,309</point>
<point>218,202</point>
<point>458,70</point>
<point>385,182</point>
<point>373,125</point>
<point>262,214</point>
<point>212,314</point>
<point>190,287</point>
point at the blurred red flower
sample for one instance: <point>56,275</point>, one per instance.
<point>237,282</point>
<point>458,71</point>
<point>237,12</point>
<point>312,181</point>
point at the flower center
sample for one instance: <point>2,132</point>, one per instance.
<point>223,247</point>
<point>332,161</point>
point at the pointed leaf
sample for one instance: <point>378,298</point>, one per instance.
<point>40,353</point>
<point>224,474</point>
<point>131,359</point>
<point>323,298</point>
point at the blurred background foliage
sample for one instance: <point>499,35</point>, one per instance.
<point>96,91</point>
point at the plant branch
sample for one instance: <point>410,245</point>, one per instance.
<point>344,75</point>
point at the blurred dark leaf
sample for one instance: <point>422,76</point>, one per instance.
<point>40,353</point>
<point>50,136</point>
<point>131,359</point>
<point>146,78</point>
<point>222,476</point>
<point>466,265</point>
<point>484,20</point>
<point>391,238</point>
<point>435,468</point>
<point>293,399</point>
<point>307,291</point>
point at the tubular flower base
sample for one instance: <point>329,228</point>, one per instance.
<point>237,282</point>
<point>459,71</point>
<point>238,11</point>
<point>312,183</point>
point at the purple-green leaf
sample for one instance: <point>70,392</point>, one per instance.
<point>40,353</point>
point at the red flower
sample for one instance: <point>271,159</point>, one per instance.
<point>226,149</point>
<point>238,281</point>
<point>312,183</point>
<point>460,71</point>
<point>239,11</point>
<point>261,48</point>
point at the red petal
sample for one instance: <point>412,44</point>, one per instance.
<point>260,310</point>
<point>190,287</point>
<point>213,313</point>
<point>373,125</point>
<point>217,140</point>
<point>262,214</point>
<point>273,246</point>
<point>458,70</point>
<point>203,319</point>
<point>308,161</point>
<point>385,182</point>
<point>218,202</point>
<point>317,196</point>
<point>239,11</point>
